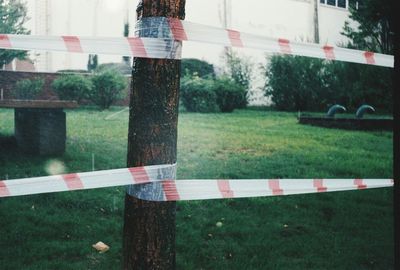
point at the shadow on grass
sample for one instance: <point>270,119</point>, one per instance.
<point>18,164</point>
<point>7,143</point>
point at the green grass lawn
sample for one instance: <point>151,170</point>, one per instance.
<point>343,230</point>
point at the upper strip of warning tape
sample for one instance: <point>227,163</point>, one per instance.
<point>161,37</point>
<point>132,46</point>
<point>157,184</point>
<point>162,27</point>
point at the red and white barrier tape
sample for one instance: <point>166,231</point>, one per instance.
<point>159,177</point>
<point>87,180</point>
<point>159,37</point>
<point>184,30</point>
<point>186,190</point>
<point>132,46</point>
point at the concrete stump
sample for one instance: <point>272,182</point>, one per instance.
<point>40,131</point>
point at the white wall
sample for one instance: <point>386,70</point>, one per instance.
<point>331,22</point>
<point>77,17</point>
<point>291,19</point>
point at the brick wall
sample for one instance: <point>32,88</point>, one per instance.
<point>8,79</point>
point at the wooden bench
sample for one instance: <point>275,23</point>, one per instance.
<point>40,125</point>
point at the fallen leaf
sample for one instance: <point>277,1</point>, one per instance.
<point>101,247</point>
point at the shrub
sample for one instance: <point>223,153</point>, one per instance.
<point>93,62</point>
<point>301,83</point>
<point>230,95</point>
<point>354,84</point>
<point>198,95</point>
<point>107,88</point>
<point>296,83</point>
<point>28,89</point>
<point>239,69</point>
<point>201,68</point>
<point>72,87</point>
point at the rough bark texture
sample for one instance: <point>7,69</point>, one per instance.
<point>149,228</point>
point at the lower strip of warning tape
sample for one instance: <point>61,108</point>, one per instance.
<point>156,183</point>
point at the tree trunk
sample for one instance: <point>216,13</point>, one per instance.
<point>149,228</point>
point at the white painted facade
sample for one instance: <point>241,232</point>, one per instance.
<point>80,18</point>
<point>291,19</point>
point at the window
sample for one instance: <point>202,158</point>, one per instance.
<point>335,3</point>
<point>341,3</point>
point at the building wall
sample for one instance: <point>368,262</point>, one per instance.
<point>291,19</point>
<point>77,17</point>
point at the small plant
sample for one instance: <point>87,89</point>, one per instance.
<point>28,89</point>
<point>230,95</point>
<point>107,88</point>
<point>198,94</point>
<point>240,69</point>
<point>92,62</point>
<point>72,87</point>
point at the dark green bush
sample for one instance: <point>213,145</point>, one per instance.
<point>354,84</point>
<point>28,89</point>
<point>230,95</point>
<point>198,94</point>
<point>72,87</point>
<point>296,83</point>
<point>207,95</point>
<point>196,67</point>
<point>300,83</point>
<point>107,88</point>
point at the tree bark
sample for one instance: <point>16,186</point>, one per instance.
<point>149,227</point>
